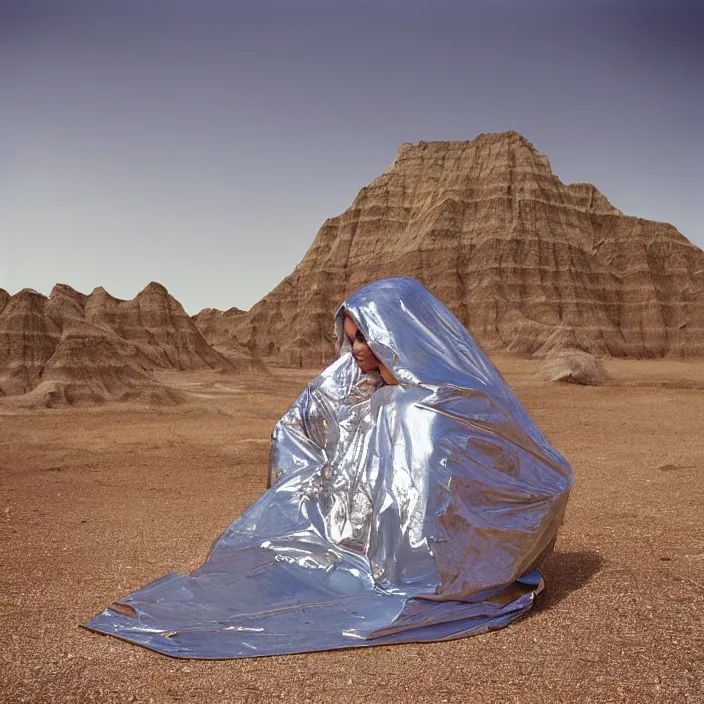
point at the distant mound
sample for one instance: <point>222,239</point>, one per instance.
<point>28,338</point>
<point>158,326</point>
<point>216,325</point>
<point>574,366</point>
<point>90,365</point>
<point>217,328</point>
<point>529,264</point>
<point>73,348</point>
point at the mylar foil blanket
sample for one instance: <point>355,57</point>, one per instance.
<point>415,512</point>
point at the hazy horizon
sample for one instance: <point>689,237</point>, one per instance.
<point>202,146</point>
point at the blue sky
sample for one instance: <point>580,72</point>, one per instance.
<point>202,144</point>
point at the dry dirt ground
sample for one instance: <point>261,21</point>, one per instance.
<point>96,502</point>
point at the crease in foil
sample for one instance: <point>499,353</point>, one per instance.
<point>407,513</point>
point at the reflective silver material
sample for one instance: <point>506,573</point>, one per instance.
<point>414,512</point>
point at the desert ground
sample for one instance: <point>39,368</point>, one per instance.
<point>97,501</point>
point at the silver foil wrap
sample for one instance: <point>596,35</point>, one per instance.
<point>414,512</point>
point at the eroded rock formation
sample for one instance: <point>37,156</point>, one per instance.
<point>28,338</point>
<point>158,326</point>
<point>4,298</point>
<point>70,347</point>
<point>217,327</point>
<point>528,263</point>
<point>574,366</point>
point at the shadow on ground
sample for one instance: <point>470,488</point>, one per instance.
<point>564,573</point>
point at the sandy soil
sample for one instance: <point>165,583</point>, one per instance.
<point>96,502</point>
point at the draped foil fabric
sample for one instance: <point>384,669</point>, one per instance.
<point>415,512</point>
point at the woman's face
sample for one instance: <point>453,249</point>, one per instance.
<point>360,349</point>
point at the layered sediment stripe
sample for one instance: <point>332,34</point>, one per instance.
<point>526,262</point>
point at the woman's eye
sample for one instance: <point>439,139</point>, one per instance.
<point>359,336</point>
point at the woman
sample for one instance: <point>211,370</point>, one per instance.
<point>411,499</point>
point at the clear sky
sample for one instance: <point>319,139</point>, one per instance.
<point>202,143</point>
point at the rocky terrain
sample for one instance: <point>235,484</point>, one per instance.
<point>70,347</point>
<point>528,263</point>
<point>217,327</point>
